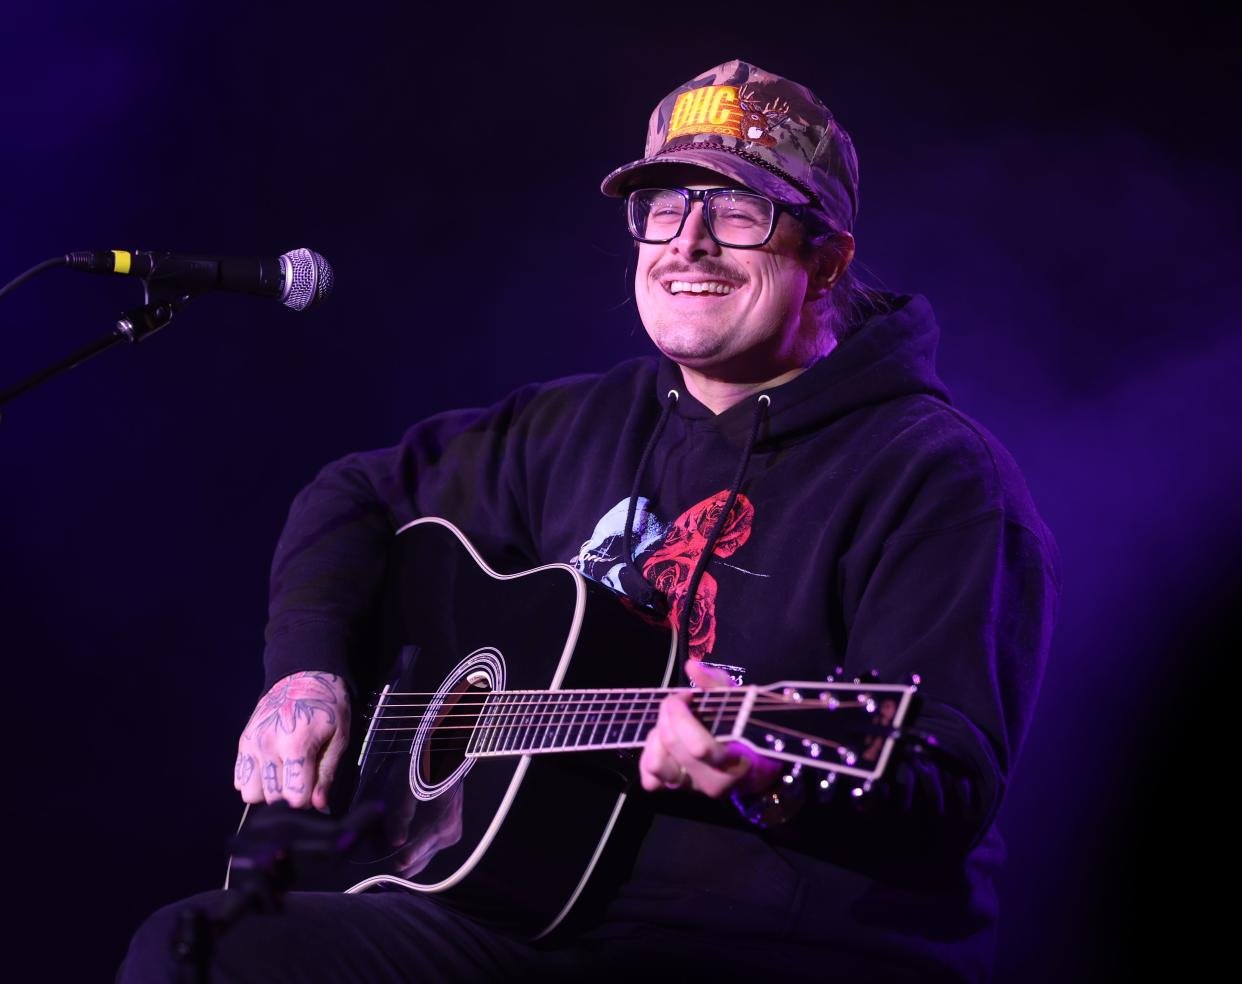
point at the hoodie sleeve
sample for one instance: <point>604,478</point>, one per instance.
<point>970,609</point>
<point>963,592</point>
<point>330,560</point>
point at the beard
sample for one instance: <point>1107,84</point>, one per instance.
<point>688,340</point>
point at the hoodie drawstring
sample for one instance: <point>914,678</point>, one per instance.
<point>651,597</point>
<point>696,577</point>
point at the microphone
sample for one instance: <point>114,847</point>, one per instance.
<point>298,279</point>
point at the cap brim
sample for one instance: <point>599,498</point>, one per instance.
<point>633,175</point>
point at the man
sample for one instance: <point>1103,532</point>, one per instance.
<point>789,484</point>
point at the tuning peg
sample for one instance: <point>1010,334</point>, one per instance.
<point>836,674</point>
<point>913,679</point>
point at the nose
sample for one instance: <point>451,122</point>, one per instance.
<point>694,239</point>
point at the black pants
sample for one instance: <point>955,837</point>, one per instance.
<point>401,937</point>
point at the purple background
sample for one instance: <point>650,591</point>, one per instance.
<point>1062,186</point>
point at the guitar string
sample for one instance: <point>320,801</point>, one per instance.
<point>573,697</point>
<point>578,718</point>
<point>881,688</point>
<point>491,701</point>
<point>559,715</point>
<point>451,706</point>
<point>394,747</point>
<point>453,743</point>
<point>518,715</point>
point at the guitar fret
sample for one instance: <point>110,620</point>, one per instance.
<point>513,731</point>
<point>554,720</point>
<point>724,702</point>
<point>651,714</point>
<point>473,741</point>
<point>631,716</point>
<point>558,732</point>
<point>595,719</point>
<point>639,725</point>
<point>612,720</point>
<point>487,736</point>
<point>558,739</point>
<point>699,702</point>
<point>535,705</point>
<point>567,720</point>
<point>483,730</point>
<point>581,721</point>
<point>498,717</point>
<point>508,731</point>
<point>625,719</point>
<point>549,704</point>
<point>528,721</point>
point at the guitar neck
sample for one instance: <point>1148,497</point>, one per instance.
<point>528,722</point>
<point>836,727</point>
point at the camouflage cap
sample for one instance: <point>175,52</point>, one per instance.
<point>769,133</point>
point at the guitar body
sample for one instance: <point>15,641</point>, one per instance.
<point>497,679</point>
<point>511,838</point>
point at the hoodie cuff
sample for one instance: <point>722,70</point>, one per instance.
<point>318,645</point>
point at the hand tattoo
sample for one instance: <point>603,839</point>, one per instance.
<point>271,781</point>
<point>293,775</point>
<point>244,769</point>
<point>296,698</point>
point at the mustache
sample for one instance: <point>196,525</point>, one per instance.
<point>706,268</point>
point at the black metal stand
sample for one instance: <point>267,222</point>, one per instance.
<point>133,326</point>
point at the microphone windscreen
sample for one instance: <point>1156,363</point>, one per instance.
<point>308,279</point>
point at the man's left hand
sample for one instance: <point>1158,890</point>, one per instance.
<point>681,754</point>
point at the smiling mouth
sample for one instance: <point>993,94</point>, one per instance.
<point>713,287</point>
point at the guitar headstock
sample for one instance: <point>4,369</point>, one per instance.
<point>839,728</point>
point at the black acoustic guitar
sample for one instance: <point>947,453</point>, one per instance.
<point>499,678</point>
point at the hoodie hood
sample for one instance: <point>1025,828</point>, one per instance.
<point>890,355</point>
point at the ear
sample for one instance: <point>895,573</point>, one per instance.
<point>831,260</point>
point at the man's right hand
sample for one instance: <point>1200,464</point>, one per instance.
<point>293,741</point>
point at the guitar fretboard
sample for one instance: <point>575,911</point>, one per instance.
<point>522,722</point>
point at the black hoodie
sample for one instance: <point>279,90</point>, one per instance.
<point>876,527</point>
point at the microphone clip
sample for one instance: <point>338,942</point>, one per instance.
<point>142,322</point>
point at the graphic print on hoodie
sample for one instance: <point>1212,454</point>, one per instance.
<point>668,555</point>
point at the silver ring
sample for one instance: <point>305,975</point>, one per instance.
<point>680,781</point>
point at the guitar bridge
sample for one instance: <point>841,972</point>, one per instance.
<point>375,716</point>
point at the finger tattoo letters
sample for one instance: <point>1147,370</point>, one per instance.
<point>244,768</point>
<point>293,775</point>
<point>271,779</point>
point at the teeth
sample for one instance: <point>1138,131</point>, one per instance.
<point>699,287</point>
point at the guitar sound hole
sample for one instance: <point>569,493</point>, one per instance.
<point>445,750</point>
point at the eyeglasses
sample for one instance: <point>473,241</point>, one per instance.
<point>735,218</point>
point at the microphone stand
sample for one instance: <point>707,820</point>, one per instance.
<point>133,326</point>
<point>160,305</point>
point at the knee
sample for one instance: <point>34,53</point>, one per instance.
<point>153,951</point>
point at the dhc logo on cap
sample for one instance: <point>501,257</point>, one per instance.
<point>727,111</point>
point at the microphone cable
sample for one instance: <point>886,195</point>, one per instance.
<point>38,268</point>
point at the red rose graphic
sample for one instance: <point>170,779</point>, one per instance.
<point>670,566</point>
<point>672,579</point>
<point>702,618</point>
<point>702,519</point>
<point>668,575</point>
